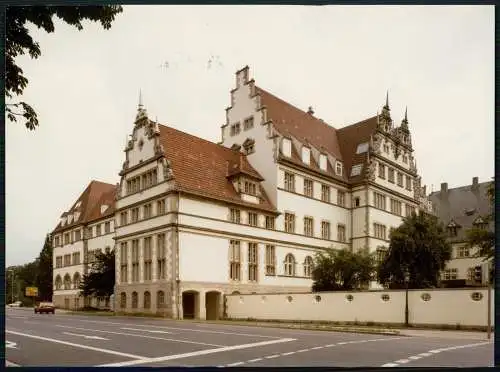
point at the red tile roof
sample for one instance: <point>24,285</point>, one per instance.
<point>201,167</point>
<point>93,196</point>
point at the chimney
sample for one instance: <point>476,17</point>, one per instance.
<point>310,110</point>
<point>475,181</point>
<point>444,188</point>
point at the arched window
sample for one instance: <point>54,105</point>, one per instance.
<point>76,280</point>
<point>308,266</point>
<point>58,282</point>
<point>135,300</point>
<point>147,300</point>
<point>290,265</point>
<point>123,300</point>
<point>67,281</point>
<point>160,299</point>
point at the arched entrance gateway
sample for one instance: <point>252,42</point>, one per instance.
<point>190,304</point>
<point>213,305</point>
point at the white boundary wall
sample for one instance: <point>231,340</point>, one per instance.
<point>450,307</point>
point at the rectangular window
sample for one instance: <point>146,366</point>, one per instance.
<point>308,226</point>
<point>289,222</point>
<point>325,230</point>
<point>160,207</point>
<point>381,171</point>
<point>235,215</point>
<point>123,262</point>
<point>123,218</point>
<point>400,179</point>
<point>66,238</point>
<point>289,182</point>
<point>379,231</point>
<point>67,260</point>
<point>270,222</point>
<point>248,123</point>
<point>135,260</point>
<point>147,259</point>
<point>59,262</point>
<point>107,227</point>
<point>308,187</point>
<point>250,188</point>
<point>147,211</point>
<point>270,260</point>
<point>76,258</point>
<point>410,210</point>
<point>98,230</point>
<point>253,261</point>
<point>391,175</point>
<point>57,241</point>
<point>380,255</point>
<point>450,274</point>
<point>341,198</point>
<point>463,252</point>
<point>135,215</point>
<point>341,233</point>
<point>161,256</point>
<point>78,235</point>
<point>379,200</point>
<point>252,219</point>
<point>396,207</point>
<point>325,193</point>
<point>235,260</point>
<point>408,183</point>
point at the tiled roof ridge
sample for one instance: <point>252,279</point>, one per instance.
<point>359,123</point>
<point>463,187</point>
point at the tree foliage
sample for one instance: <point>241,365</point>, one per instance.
<point>100,281</point>
<point>341,270</point>
<point>482,237</point>
<point>44,272</point>
<point>19,42</point>
<point>18,278</point>
<point>418,245</point>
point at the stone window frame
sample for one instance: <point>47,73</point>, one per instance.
<point>289,265</point>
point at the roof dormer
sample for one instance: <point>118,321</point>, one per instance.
<point>323,162</point>
<point>249,146</point>
<point>306,155</point>
<point>339,168</point>
<point>286,147</point>
<point>104,207</point>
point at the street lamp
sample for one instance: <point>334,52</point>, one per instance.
<point>407,280</point>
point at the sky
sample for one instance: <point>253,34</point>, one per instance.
<point>436,60</point>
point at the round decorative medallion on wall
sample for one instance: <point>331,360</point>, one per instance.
<point>349,297</point>
<point>385,297</point>
<point>476,296</point>
<point>141,143</point>
<point>425,297</point>
<point>263,298</point>
<point>289,298</point>
<point>317,298</point>
<point>241,299</point>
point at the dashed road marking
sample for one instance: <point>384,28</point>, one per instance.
<point>273,356</point>
<point>432,352</point>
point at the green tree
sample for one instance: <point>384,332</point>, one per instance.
<point>18,41</point>
<point>418,245</point>
<point>45,268</point>
<point>341,270</point>
<point>100,281</point>
<point>482,237</point>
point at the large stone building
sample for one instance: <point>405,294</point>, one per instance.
<point>460,209</point>
<point>86,227</point>
<point>196,220</point>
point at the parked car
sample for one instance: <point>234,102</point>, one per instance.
<point>15,304</point>
<point>45,307</point>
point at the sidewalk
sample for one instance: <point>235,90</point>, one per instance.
<point>472,335</point>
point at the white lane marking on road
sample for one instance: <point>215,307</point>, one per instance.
<point>85,336</point>
<point>289,353</point>
<point>10,345</point>
<point>433,352</point>
<point>142,336</point>
<point>144,330</point>
<point>101,350</point>
<point>302,350</point>
<point>235,364</point>
<point>254,360</point>
<point>317,347</point>
<point>16,316</point>
<point>179,329</point>
<point>272,356</point>
<point>198,353</point>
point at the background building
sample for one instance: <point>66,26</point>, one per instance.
<point>460,209</point>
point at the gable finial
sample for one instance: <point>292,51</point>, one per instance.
<point>387,99</point>
<point>140,99</point>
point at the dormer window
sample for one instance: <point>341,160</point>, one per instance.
<point>306,155</point>
<point>249,146</point>
<point>250,188</point>
<point>338,168</point>
<point>78,204</point>
<point>286,147</point>
<point>356,170</point>
<point>452,229</point>
<point>362,148</point>
<point>323,162</point>
<point>480,223</point>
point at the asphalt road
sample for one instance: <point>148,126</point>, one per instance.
<point>77,340</point>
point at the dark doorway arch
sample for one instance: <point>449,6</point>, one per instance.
<point>213,305</point>
<point>190,304</point>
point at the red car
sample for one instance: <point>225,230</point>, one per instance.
<point>45,307</point>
